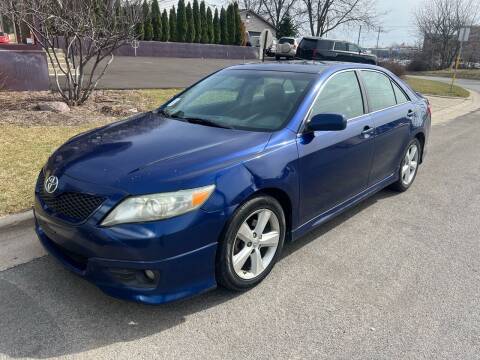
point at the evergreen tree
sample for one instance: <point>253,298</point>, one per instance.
<point>147,22</point>
<point>231,24</point>
<point>239,28</point>
<point>181,21</point>
<point>203,20</point>
<point>190,36</point>
<point>156,21</point>
<point>165,26</point>
<point>223,27</point>
<point>139,31</point>
<point>148,30</point>
<point>211,39</point>
<point>286,27</point>
<point>197,21</point>
<point>172,19</point>
<point>216,28</point>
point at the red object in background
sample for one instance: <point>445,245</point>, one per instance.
<point>4,39</point>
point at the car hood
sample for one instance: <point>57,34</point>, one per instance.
<point>133,149</point>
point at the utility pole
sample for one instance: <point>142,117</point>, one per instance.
<point>359,32</point>
<point>378,36</point>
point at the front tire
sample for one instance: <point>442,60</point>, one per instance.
<point>251,244</point>
<point>409,166</point>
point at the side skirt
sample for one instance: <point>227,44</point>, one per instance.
<point>340,208</point>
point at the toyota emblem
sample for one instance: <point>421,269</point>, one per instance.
<point>51,184</point>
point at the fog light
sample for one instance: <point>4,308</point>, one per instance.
<point>150,275</point>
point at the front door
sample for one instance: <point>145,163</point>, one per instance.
<point>391,111</point>
<point>335,165</point>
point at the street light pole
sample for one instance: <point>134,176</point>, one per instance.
<point>378,36</point>
<point>359,32</point>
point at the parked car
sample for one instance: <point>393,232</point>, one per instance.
<point>286,48</point>
<point>207,189</point>
<point>272,49</point>
<point>314,48</point>
<point>4,38</point>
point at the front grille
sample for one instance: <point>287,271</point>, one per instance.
<point>73,205</point>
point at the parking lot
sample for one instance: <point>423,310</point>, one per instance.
<point>397,277</point>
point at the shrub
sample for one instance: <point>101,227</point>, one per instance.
<point>394,67</point>
<point>418,64</point>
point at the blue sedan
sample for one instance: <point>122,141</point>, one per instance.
<point>207,189</point>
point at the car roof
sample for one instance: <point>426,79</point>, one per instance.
<point>301,66</point>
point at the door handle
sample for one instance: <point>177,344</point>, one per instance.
<point>367,131</point>
<point>410,113</point>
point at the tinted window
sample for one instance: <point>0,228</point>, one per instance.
<point>399,94</point>
<point>243,99</point>
<point>286,41</point>
<point>353,48</point>
<point>379,90</point>
<point>341,46</point>
<point>341,95</point>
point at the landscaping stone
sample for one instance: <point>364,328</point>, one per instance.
<point>54,106</point>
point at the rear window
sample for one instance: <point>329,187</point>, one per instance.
<point>286,41</point>
<point>2,33</point>
<point>309,48</point>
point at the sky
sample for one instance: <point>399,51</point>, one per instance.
<point>397,24</point>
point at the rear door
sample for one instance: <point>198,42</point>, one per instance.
<point>335,165</point>
<point>391,110</point>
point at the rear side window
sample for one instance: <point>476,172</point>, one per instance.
<point>379,90</point>
<point>341,46</point>
<point>286,41</point>
<point>399,94</point>
<point>340,95</point>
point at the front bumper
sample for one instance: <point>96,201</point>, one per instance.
<point>180,251</point>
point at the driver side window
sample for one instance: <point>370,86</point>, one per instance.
<point>340,95</point>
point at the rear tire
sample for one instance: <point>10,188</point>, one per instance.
<point>251,244</point>
<point>408,166</point>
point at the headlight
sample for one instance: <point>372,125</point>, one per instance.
<point>158,206</point>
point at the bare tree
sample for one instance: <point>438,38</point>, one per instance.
<point>326,15</point>
<point>88,31</point>
<point>253,5</point>
<point>275,10</point>
<point>438,23</point>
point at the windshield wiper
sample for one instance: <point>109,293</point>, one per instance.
<point>180,116</point>
<point>206,122</point>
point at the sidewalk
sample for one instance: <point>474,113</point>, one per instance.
<point>445,108</point>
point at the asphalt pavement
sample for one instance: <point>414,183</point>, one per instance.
<point>397,277</point>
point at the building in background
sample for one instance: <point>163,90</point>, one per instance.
<point>255,24</point>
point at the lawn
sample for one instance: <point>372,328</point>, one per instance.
<point>461,73</point>
<point>431,87</point>
<point>25,149</point>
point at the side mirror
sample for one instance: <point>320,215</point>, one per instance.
<point>327,122</point>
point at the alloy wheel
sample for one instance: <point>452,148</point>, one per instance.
<point>255,244</point>
<point>410,164</point>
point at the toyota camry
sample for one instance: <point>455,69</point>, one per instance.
<point>208,188</point>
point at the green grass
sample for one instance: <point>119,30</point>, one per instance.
<point>461,73</point>
<point>431,87</point>
<point>25,149</point>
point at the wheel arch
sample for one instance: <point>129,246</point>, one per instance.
<point>420,136</point>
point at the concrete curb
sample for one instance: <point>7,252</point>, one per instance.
<point>16,219</point>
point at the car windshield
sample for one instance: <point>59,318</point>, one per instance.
<point>242,99</point>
